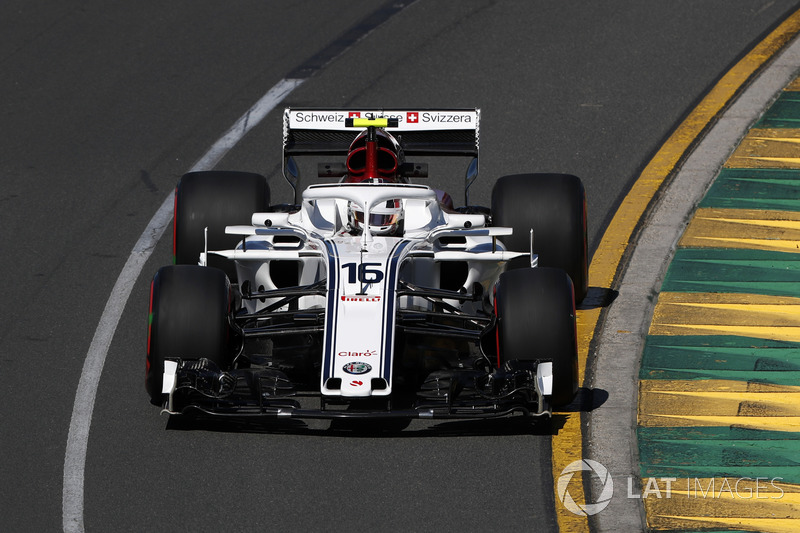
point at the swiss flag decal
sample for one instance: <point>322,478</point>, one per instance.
<point>412,117</point>
<point>354,114</point>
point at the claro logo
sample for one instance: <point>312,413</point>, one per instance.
<point>368,353</point>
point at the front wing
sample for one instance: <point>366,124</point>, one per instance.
<point>200,387</point>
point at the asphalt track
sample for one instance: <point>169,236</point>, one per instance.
<point>105,106</point>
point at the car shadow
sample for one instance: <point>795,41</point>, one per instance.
<point>360,428</point>
<point>597,297</point>
<point>585,400</point>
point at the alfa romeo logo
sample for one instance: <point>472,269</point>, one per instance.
<point>357,368</point>
<point>586,509</point>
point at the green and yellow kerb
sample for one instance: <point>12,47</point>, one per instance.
<point>719,392</point>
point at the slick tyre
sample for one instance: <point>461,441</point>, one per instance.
<point>554,206</point>
<point>213,200</point>
<point>536,320</point>
<point>189,319</point>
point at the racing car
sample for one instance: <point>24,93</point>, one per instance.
<point>371,295</point>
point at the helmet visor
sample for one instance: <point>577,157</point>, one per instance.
<point>376,219</point>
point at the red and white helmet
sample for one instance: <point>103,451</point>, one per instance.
<point>384,219</point>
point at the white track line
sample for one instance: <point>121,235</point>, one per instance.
<point>78,439</point>
<point>247,122</point>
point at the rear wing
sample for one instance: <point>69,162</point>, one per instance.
<point>420,132</point>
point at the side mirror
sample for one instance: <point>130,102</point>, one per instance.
<point>331,170</point>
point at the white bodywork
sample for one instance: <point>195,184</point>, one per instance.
<point>362,271</point>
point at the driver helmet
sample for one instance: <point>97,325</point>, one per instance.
<point>389,158</point>
<point>384,219</point>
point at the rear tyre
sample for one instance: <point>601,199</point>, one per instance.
<point>213,200</point>
<point>554,206</point>
<point>189,319</point>
<point>536,320</point>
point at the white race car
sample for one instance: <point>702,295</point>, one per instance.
<point>370,296</point>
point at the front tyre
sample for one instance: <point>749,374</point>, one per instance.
<point>189,319</point>
<point>554,206</point>
<point>535,312</point>
<point>214,199</point>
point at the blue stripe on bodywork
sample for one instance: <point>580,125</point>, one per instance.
<point>389,309</point>
<point>332,308</point>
